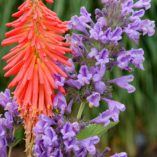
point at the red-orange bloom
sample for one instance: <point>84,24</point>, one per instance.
<point>37,33</point>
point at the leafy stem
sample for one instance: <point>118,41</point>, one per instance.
<point>13,144</point>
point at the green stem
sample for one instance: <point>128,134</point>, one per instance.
<point>80,110</point>
<point>11,146</point>
<point>10,151</point>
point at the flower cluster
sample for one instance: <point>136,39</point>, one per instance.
<point>7,122</point>
<point>98,49</point>
<point>57,138</point>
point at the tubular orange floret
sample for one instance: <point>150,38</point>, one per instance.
<point>37,31</point>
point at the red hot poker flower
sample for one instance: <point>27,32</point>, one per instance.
<point>37,33</point>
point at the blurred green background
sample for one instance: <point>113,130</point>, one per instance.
<point>137,131</point>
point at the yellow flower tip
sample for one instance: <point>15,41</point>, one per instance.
<point>90,105</point>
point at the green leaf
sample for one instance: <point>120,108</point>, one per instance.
<point>19,134</point>
<point>94,130</point>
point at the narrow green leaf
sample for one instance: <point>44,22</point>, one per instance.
<point>94,130</point>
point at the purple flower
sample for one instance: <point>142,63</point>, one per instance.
<point>98,72</point>
<point>112,36</point>
<point>42,124</point>
<point>3,142</point>
<point>84,76</point>
<point>89,144</point>
<point>74,83</point>
<point>123,154</point>
<point>102,57</point>
<point>137,15</point>
<point>85,16</point>
<point>112,113</point>
<point>134,56</point>
<point>81,23</point>
<point>70,130</point>
<point>97,31</point>
<point>93,53</point>
<point>148,27</point>
<point>127,7</point>
<point>8,103</point>
<point>5,97</point>
<point>123,82</point>
<point>105,117</point>
<point>8,121</point>
<point>114,105</point>
<point>60,103</point>
<point>94,99</point>
<point>50,138</point>
<point>143,4</point>
<point>70,69</point>
<point>57,153</point>
<point>100,87</point>
<point>59,80</point>
<point>77,24</point>
<point>46,140</point>
<point>132,30</point>
<point>76,44</point>
<point>69,107</point>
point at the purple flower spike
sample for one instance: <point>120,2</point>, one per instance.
<point>94,99</point>
<point>123,82</point>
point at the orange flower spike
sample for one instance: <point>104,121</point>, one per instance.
<point>37,33</point>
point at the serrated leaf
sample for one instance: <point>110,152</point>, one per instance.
<point>94,130</point>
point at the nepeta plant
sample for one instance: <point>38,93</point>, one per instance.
<point>50,87</point>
